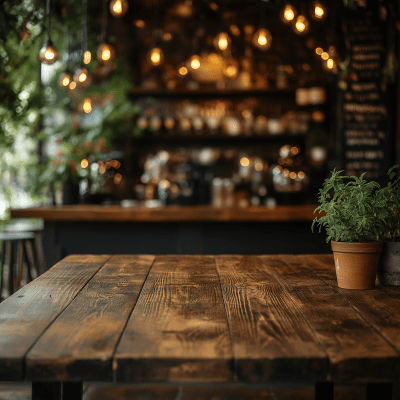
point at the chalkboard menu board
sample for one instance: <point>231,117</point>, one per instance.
<point>365,125</point>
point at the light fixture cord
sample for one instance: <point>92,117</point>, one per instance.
<point>48,17</point>
<point>104,22</point>
<point>84,26</point>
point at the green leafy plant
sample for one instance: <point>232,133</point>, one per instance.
<point>389,196</point>
<point>353,209</point>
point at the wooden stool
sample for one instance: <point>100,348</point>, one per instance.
<point>22,242</point>
<point>37,230</point>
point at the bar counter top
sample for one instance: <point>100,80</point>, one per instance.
<point>201,213</point>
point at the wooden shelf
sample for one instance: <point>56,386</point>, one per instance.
<point>136,93</point>
<point>149,138</point>
<point>203,213</point>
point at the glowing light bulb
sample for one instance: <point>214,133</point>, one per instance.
<point>288,14</point>
<point>330,63</point>
<point>65,79</point>
<point>87,57</point>
<point>48,54</point>
<point>118,8</point>
<point>105,53</point>
<point>319,50</point>
<point>84,163</point>
<point>262,39</point>
<point>324,55</point>
<point>72,85</point>
<point>195,62</point>
<point>81,77</point>
<point>183,71</point>
<point>301,25</point>
<point>139,23</point>
<point>318,11</point>
<point>222,41</point>
<point>156,56</point>
<point>244,162</point>
<point>87,107</point>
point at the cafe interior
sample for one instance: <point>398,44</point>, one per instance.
<point>185,127</point>
<point>191,127</point>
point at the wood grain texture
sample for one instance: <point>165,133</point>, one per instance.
<point>380,307</point>
<point>207,213</point>
<point>80,343</point>
<point>356,350</point>
<point>271,338</point>
<point>178,330</point>
<point>25,315</point>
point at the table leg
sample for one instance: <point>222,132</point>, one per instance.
<point>379,391</point>
<point>46,390</point>
<point>324,391</point>
<point>72,390</point>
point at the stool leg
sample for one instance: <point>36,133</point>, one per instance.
<point>20,263</point>
<point>10,268</point>
<point>32,266</point>
<point>72,390</point>
<point>46,390</point>
<point>3,262</point>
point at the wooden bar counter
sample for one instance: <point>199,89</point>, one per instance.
<point>203,213</point>
<point>95,229</point>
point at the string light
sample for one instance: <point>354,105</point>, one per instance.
<point>65,79</point>
<point>105,53</point>
<point>87,106</point>
<point>262,39</point>
<point>183,71</point>
<point>319,50</point>
<point>330,63</point>
<point>72,85</point>
<point>48,53</point>
<point>301,25</point>
<point>118,8</point>
<point>324,55</point>
<point>84,163</point>
<point>81,75</point>
<point>288,14</point>
<point>87,57</point>
<point>156,56</point>
<point>222,41</point>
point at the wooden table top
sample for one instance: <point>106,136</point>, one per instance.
<point>141,318</point>
<point>204,213</point>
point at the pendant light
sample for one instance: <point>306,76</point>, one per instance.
<point>156,55</point>
<point>66,76</point>
<point>301,25</point>
<point>48,53</point>
<point>222,41</point>
<point>105,52</point>
<point>288,14</point>
<point>118,8</point>
<point>81,75</point>
<point>318,11</point>
<point>262,38</point>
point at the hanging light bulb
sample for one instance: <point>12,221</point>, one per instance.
<point>231,68</point>
<point>156,56</point>
<point>65,79</point>
<point>318,11</point>
<point>288,14</point>
<point>87,105</point>
<point>87,57</point>
<point>105,53</point>
<point>118,8</point>
<point>262,39</point>
<point>301,25</point>
<point>82,77</point>
<point>48,53</point>
<point>222,41</point>
<point>194,62</point>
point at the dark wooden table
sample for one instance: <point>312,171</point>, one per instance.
<point>230,320</point>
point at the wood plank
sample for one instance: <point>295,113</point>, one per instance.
<point>25,315</point>
<point>271,339</point>
<point>80,343</point>
<point>178,330</point>
<point>206,213</point>
<point>356,351</point>
<point>379,307</point>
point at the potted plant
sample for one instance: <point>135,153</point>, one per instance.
<point>389,263</point>
<point>355,219</point>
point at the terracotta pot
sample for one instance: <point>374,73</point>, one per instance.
<point>389,264</point>
<point>356,263</point>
